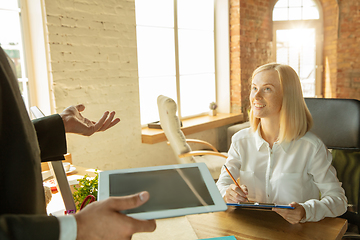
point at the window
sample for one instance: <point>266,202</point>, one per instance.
<point>21,35</point>
<point>286,10</point>
<point>176,55</point>
<point>11,40</point>
<point>298,36</point>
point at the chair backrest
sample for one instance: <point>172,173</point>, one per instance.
<point>170,124</point>
<point>336,122</point>
<point>58,171</point>
<point>37,113</point>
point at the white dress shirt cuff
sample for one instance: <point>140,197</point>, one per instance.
<point>68,227</point>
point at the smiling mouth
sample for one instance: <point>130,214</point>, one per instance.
<point>259,105</point>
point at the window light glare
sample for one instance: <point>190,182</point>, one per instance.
<point>308,3</point>
<point>187,43</point>
<point>295,10</point>
<point>310,13</point>
<point>190,85</point>
<point>194,51</point>
<point>11,28</point>
<point>9,4</point>
<point>188,14</point>
<point>12,43</point>
<point>156,51</point>
<point>159,13</point>
<point>294,3</point>
<point>295,13</point>
<point>296,48</point>
<point>280,14</point>
<point>148,99</point>
<point>282,3</point>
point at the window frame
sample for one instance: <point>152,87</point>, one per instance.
<point>314,23</point>
<point>35,37</point>
<point>23,80</point>
<point>221,57</point>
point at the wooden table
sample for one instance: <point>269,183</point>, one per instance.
<point>256,224</point>
<point>243,224</point>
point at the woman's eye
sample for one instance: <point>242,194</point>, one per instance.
<point>254,88</point>
<point>267,89</point>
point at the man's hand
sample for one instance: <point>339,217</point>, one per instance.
<point>292,215</point>
<point>102,220</point>
<point>74,122</point>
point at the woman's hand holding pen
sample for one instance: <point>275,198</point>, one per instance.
<point>235,194</point>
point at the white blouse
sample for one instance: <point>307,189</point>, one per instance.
<point>299,171</point>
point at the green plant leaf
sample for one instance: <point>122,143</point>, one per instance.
<point>86,187</point>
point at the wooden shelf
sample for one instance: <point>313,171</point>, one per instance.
<point>193,125</point>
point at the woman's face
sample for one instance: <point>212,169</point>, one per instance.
<point>266,95</point>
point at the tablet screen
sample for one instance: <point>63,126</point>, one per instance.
<point>164,187</point>
<point>175,190</point>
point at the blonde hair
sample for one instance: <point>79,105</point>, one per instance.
<point>295,117</point>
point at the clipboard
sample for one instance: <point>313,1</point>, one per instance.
<point>257,205</point>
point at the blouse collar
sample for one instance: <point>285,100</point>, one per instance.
<point>259,141</point>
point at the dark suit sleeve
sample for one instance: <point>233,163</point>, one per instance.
<point>50,132</point>
<point>22,200</point>
<point>32,227</point>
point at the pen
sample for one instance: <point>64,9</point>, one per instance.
<point>233,178</point>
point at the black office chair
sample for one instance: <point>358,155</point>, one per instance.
<point>337,124</point>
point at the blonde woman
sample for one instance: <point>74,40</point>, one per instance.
<point>277,159</point>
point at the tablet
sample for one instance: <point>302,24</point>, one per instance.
<point>175,190</point>
<point>259,205</point>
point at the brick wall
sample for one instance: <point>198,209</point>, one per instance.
<point>330,15</point>
<point>348,50</point>
<point>250,46</point>
<point>235,67</point>
<point>93,61</point>
<point>341,48</point>
<point>85,47</point>
<point>251,37</point>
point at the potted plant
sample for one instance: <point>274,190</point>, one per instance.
<point>87,186</point>
<point>212,107</point>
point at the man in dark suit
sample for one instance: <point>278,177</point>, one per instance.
<point>23,145</point>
